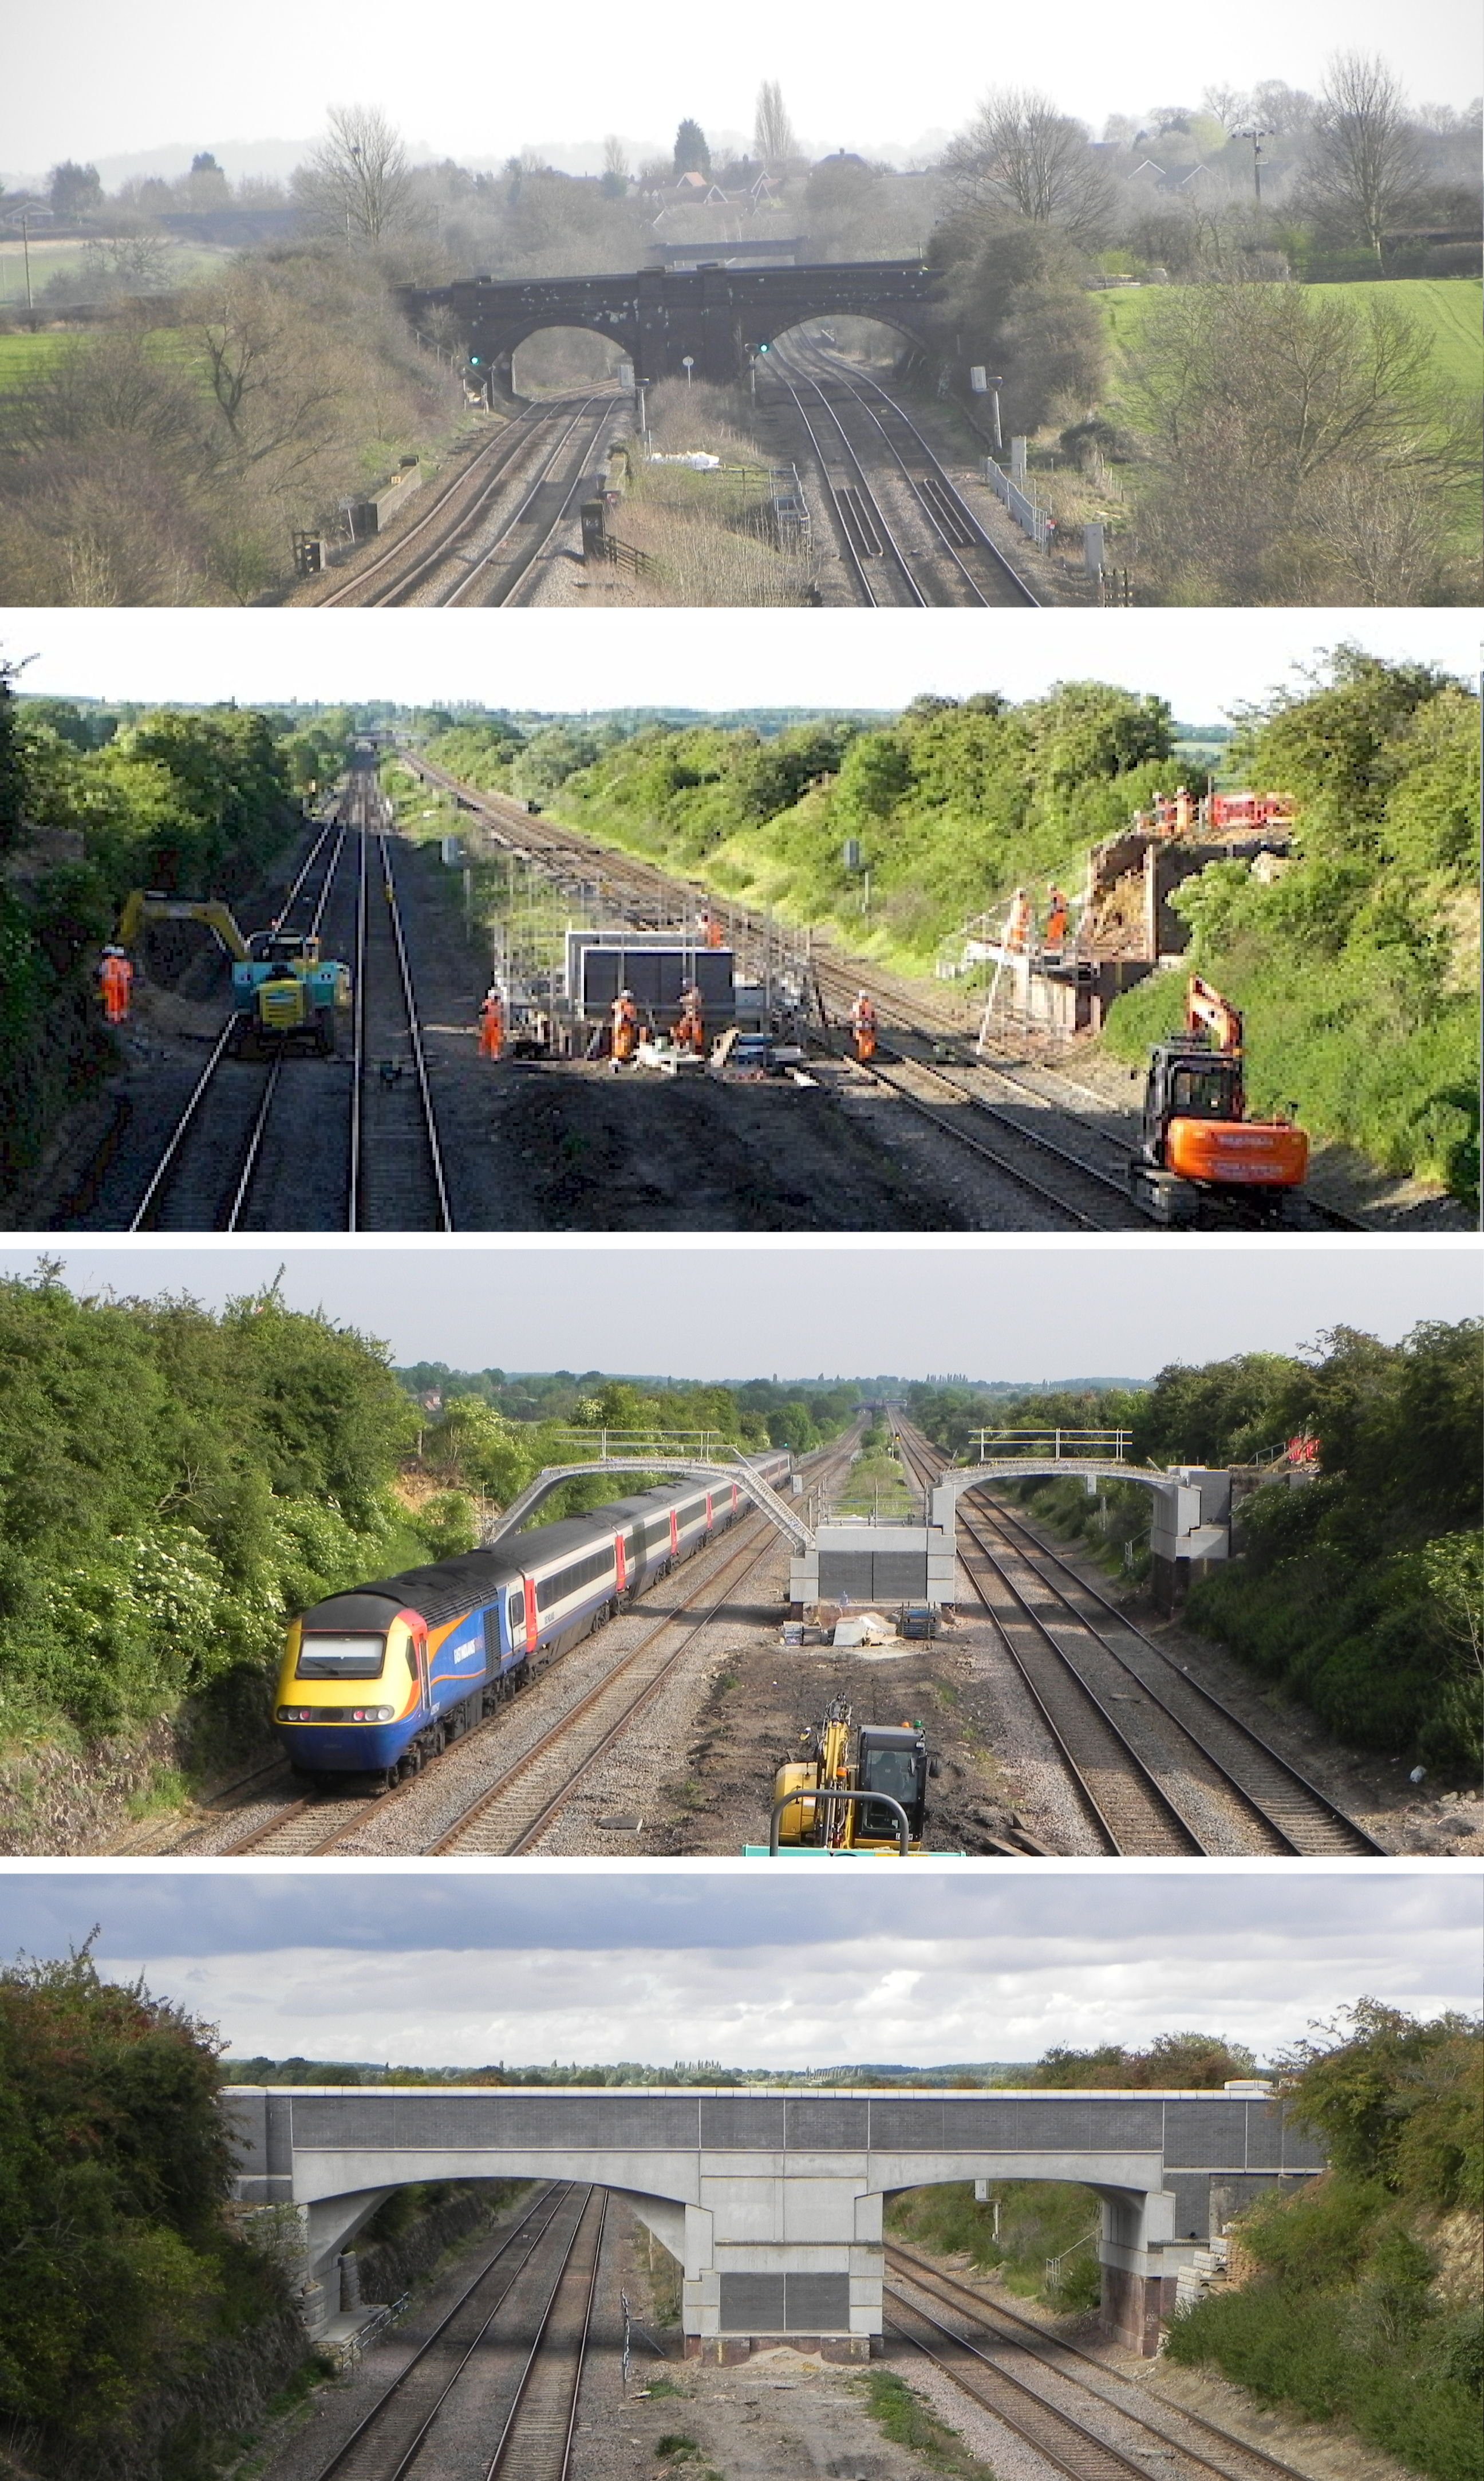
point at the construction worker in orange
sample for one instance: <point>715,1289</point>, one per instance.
<point>625,1025</point>
<point>1017,928</point>
<point>1055,919</point>
<point>712,930</point>
<point>690,1025</point>
<point>863,1025</point>
<point>491,1025</point>
<point>115,976</point>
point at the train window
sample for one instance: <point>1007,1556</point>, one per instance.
<point>570,1580</point>
<point>516,1615</point>
<point>340,1658</point>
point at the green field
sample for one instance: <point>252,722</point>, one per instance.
<point>1450,310</point>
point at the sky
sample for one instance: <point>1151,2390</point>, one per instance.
<point>93,79</point>
<point>838,1307</point>
<point>702,659</point>
<point>430,1968</point>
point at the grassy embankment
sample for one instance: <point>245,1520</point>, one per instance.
<point>1356,968</point>
<point>1362,2303</point>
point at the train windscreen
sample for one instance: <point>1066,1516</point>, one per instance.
<point>340,1658</point>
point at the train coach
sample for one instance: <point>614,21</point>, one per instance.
<point>377,1680</point>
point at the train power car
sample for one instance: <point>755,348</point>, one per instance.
<point>377,1680</point>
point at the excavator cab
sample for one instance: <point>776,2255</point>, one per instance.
<point>286,948</point>
<point>891,1758</point>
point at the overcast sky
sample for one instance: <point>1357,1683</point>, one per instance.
<point>96,79</point>
<point>465,1965</point>
<point>714,659</point>
<point>842,1305</point>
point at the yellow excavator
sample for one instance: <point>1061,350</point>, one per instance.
<point>1199,1155</point>
<point>285,995</point>
<point>871,1800</point>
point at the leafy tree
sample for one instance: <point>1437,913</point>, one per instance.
<point>115,2269</point>
<point>74,189</point>
<point>691,152</point>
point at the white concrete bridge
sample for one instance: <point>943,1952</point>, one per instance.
<point>773,2201</point>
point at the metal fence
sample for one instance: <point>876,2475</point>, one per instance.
<point>1056,1442</point>
<point>1033,520</point>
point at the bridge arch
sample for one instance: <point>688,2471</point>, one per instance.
<point>771,2200</point>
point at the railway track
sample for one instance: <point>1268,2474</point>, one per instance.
<point>503,2364</point>
<point>1083,2416</point>
<point>463,549</point>
<point>507,1812</point>
<point>945,576</point>
<point>251,1149</point>
<point>1160,1766</point>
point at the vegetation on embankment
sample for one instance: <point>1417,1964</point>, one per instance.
<point>1363,2303</point>
<point>91,806</point>
<point>135,2328</point>
<point>169,457</point>
<point>1355,966</point>
<point>1358,1592</point>
<point>173,1484</point>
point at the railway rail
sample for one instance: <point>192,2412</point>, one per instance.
<point>1031,2345</point>
<point>1158,1762</point>
<point>861,520</point>
<point>505,2363</point>
<point>1037,2388</point>
<point>511,1811</point>
<point>460,550</point>
<point>250,1150</point>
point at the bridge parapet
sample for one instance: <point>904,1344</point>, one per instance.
<point>774,2201</point>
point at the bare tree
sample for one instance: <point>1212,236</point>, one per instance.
<point>359,177</point>
<point>1021,154</point>
<point>1365,166</point>
<point>1227,104</point>
<point>772,131</point>
<point>616,160</point>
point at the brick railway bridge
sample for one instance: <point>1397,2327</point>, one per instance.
<point>773,2201</point>
<point>716,315</point>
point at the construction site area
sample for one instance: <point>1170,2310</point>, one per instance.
<point>490,1023</point>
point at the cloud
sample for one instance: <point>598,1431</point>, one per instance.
<point>448,1968</point>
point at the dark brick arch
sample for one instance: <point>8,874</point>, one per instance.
<point>657,315</point>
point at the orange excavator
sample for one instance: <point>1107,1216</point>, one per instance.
<point>1199,1153</point>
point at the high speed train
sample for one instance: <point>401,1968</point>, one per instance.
<point>379,1679</point>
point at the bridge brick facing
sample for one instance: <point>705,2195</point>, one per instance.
<point>657,315</point>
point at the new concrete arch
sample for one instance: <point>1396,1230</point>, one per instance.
<point>774,2201</point>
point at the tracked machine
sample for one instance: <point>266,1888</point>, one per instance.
<point>872,1799</point>
<point>285,995</point>
<point>1201,1159</point>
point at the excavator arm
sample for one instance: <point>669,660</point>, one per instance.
<point>146,904</point>
<point>1208,1012</point>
